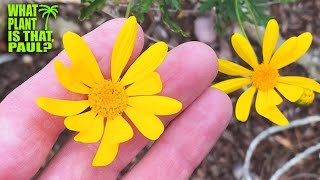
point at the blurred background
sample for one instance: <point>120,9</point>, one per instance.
<point>212,22</point>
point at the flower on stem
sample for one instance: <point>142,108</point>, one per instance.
<point>264,78</point>
<point>99,116</point>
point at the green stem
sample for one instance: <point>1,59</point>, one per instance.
<point>254,21</point>
<point>130,3</point>
<point>239,19</point>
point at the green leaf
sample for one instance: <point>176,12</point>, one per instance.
<point>96,5</point>
<point>284,1</point>
<point>258,13</point>
<point>140,8</point>
<point>173,4</point>
<point>207,6</point>
<point>89,1</point>
<point>225,13</point>
<point>166,19</point>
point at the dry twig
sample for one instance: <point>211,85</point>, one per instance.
<point>294,161</point>
<point>272,130</point>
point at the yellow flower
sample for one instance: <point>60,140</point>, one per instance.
<point>265,78</point>
<point>133,94</point>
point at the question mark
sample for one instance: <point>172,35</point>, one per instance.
<point>47,46</point>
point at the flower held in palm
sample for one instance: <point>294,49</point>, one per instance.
<point>107,99</point>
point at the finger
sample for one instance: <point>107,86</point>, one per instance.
<point>187,140</point>
<point>186,72</point>
<point>27,133</point>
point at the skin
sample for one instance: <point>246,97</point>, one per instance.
<point>28,133</point>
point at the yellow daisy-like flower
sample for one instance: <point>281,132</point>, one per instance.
<point>265,78</point>
<point>133,94</point>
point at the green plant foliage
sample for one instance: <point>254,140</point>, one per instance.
<point>253,11</point>
<point>140,8</point>
<point>173,4</point>
<point>227,11</point>
<point>207,5</point>
<point>284,1</point>
<point>94,5</point>
<point>167,20</point>
<point>89,1</point>
<point>258,12</point>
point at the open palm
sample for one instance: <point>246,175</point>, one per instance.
<point>28,133</point>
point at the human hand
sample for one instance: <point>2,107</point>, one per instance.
<point>28,133</point>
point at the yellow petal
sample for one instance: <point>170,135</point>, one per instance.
<point>93,133</point>
<point>301,82</point>
<point>106,152</point>
<point>232,69</point>
<point>244,49</point>
<point>244,104</point>
<point>275,115</point>
<point>261,101</point>
<point>123,47</point>
<point>158,105</point>
<point>270,112</point>
<point>303,43</point>
<point>80,53</point>
<point>80,73</point>
<point>80,122</point>
<point>149,85</point>
<point>64,77</point>
<point>270,40</point>
<point>146,63</point>
<point>284,52</point>
<point>119,130</point>
<point>231,85</point>
<point>271,98</point>
<point>60,107</point>
<point>290,92</point>
<point>274,98</point>
<point>148,124</point>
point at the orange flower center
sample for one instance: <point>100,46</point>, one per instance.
<point>108,99</point>
<point>265,77</point>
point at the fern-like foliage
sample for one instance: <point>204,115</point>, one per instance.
<point>227,11</point>
<point>141,7</point>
